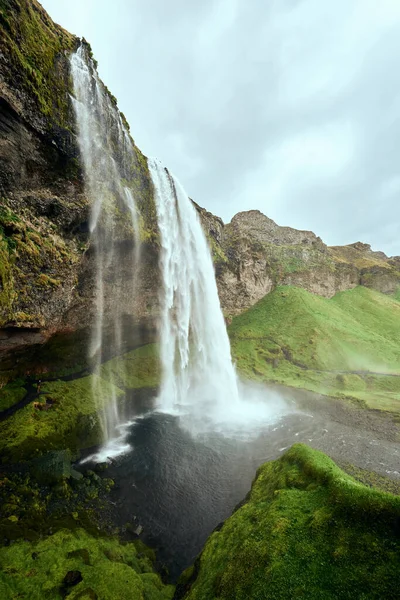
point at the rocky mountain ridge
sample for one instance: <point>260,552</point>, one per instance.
<point>253,255</point>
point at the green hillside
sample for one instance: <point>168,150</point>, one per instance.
<point>348,345</point>
<point>307,530</point>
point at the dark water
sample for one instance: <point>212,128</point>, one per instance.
<point>180,487</point>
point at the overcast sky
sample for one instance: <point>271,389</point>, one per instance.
<point>288,106</point>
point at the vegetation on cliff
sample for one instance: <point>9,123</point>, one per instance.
<point>32,46</point>
<point>307,530</point>
<point>346,346</point>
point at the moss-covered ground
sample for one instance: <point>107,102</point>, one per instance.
<point>98,567</point>
<point>136,369</point>
<point>66,414</point>
<point>48,494</point>
<point>307,530</point>
<point>70,422</point>
<point>347,346</point>
<point>11,394</point>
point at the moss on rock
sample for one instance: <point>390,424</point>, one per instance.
<point>72,421</point>
<point>34,46</point>
<point>11,394</point>
<point>307,530</point>
<point>108,570</point>
<point>73,409</point>
<point>136,369</point>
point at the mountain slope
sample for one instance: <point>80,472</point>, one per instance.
<point>345,346</point>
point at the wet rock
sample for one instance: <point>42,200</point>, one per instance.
<point>101,467</point>
<point>72,578</point>
<point>54,466</point>
<point>139,530</point>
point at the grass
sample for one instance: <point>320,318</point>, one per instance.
<point>108,569</point>
<point>333,346</point>
<point>362,259</point>
<point>307,530</point>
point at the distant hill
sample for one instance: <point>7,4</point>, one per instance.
<point>253,255</point>
<point>348,345</point>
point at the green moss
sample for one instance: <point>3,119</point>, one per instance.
<point>11,394</point>
<point>46,281</point>
<point>7,294</point>
<point>136,369</point>
<point>34,46</point>
<point>109,570</point>
<point>307,530</point>
<point>33,260</point>
<point>77,407</point>
<point>142,187</point>
<point>329,346</point>
<point>72,421</point>
<point>9,224</point>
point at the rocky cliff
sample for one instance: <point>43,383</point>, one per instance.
<point>253,255</point>
<point>46,262</point>
<point>47,267</point>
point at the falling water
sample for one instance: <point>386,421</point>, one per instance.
<point>195,349</point>
<point>108,155</point>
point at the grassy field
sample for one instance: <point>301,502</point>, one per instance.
<point>347,346</point>
<point>307,530</point>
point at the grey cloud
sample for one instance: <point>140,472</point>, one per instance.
<point>289,106</point>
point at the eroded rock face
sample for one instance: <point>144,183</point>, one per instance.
<point>253,255</point>
<point>47,264</point>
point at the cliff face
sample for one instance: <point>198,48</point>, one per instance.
<point>47,264</point>
<point>253,255</point>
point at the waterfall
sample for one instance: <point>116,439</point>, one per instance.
<point>108,155</point>
<point>195,349</point>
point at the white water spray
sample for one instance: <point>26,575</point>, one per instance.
<point>195,349</point>
<point>108,155</point>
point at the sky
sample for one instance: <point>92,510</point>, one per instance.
<point>291,107</point>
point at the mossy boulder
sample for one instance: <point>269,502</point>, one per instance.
<point>53,467</point>
<point>108,570</point>
<point>306,530</point>
<point>71,422</point>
